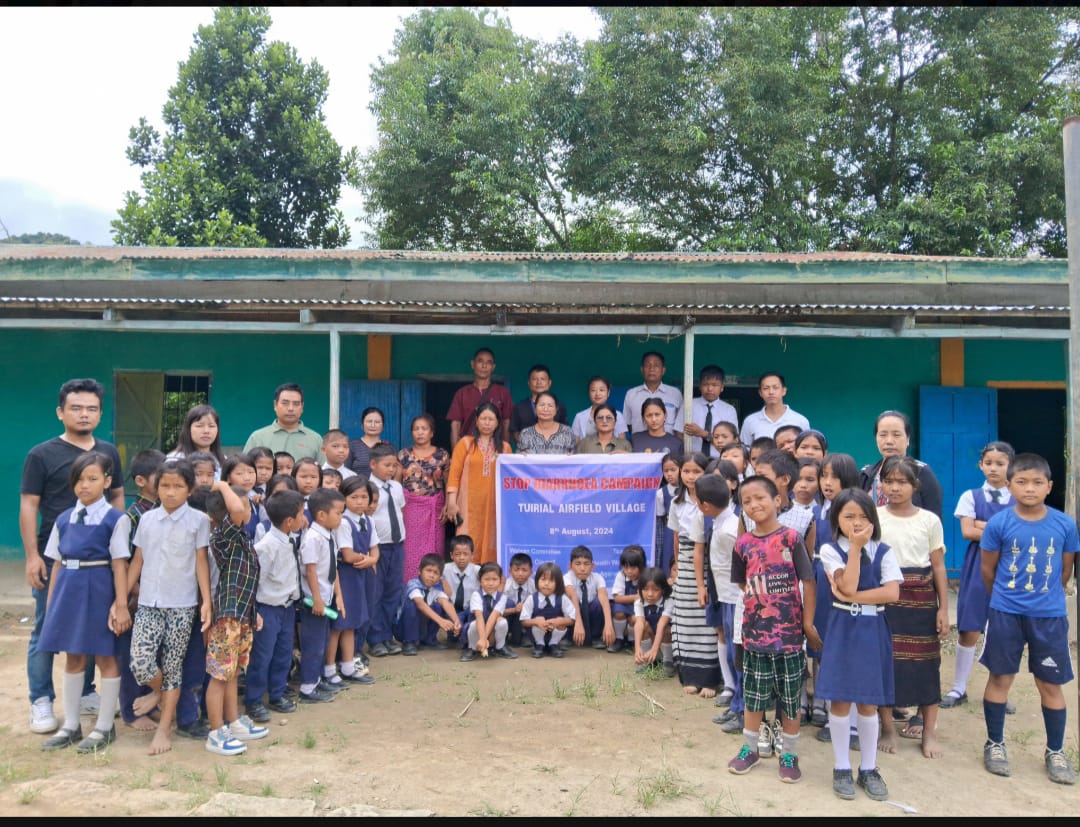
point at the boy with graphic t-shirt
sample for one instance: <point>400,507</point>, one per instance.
<point>769,562</point>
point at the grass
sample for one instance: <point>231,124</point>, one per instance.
<point>317,789</point>
<point>571,810</point>
<point>545,768</point>
<point>308,740</point>
<point>1023,737</point>
<point>222,776</point>
<point>267,791</point>
<point>140,779</point>
<point>588,689</point>
<point>485,810</point>
<point>558,690</point>
<point>28,794</point>
<point>666,785</point>
<point>723,804</point>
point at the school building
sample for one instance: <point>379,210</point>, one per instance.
<point>972,349</point>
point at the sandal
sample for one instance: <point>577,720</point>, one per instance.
<point>914,728</point>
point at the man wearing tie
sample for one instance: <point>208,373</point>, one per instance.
<point>518,589</point>
<point>707,410</point>
<point>390,525</point>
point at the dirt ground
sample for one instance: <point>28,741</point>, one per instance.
<point>584,736</point>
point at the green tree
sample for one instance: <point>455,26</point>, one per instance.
<point>40,238</point>
<point>246,159</point>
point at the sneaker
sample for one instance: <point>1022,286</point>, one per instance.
<point>745,761</point>
<point>245,729</point>
<point>90,704</point>
<point>62,738</point>
<point>952,698</point>
<point>362,679</point>
<point>1058,768</point>
<point>316,696</point>
<point>871,781</point>
<point>282,704</point>
<point>222,742</point>
<point>196,729</point>
<point>42,719</point>
<point>538,651</point>
<point>506,652</point>
<point>97,740</point>
<point>723,700</point>
<point>733,726</point>
<point>789,769</point>
<point>995,759</point>
<point>843,784</point>
<point>765,740</point>
<point>258,713</point>
<point>409,649</point>
<point>467,655</point>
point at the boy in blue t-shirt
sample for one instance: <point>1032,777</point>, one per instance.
<point>1027,559</point>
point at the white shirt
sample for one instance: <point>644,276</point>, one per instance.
<point>758,424</point>
<point>721,412</point>
<point>965,507</point>
<point>476,602</point>
<point>584,425</point>
<point>373,539</point>
<point>566,604</point>
<point>594,582</point>
<point>279,575</point>
<point>470,578</point>
<point>668,609</point>
<point>673,401</point>
<point>527,588</point>
<point>346,473</point>
<point>432,596</point>
<point>168,543</point>
<point>724,534</point>
<point>381,518</point>
<point>832,561</point>
<point>119,540</point>
<point>316,549</point>
<point>618,588</point>
<point>681,516</point>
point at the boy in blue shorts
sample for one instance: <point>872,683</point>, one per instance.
<point>1027,558</point>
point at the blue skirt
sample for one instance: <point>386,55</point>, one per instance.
<point>354,596</point>
<point>972,601</point>
<point>856,659</point>
<point>77,619</point>
<point>823,607</point>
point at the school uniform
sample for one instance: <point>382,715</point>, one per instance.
<point>592,613</point>
<point>622,587</point>
<point>759,424</point>
<point>414,626</point>
<point>486,604</point>
<point>275,599</point>
<point>319,547</point>
<point>972,600</point>
<point>707,415</point>
<point>82,545</point>
<point>346,472</point>
<point>822,537</point>
<point>665,537</point>
<point>652,612</point>
<point>857,656</point>
<point>460,586</point>
<point>516,595</point>
<point>364,536</point>
<point>389,522</point>
<point>549,608</point>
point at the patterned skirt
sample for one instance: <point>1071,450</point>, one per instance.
<point>916,647</point>
<point>693,640</point>
<point>424,534</point>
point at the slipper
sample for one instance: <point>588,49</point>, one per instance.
<point>914,728</point>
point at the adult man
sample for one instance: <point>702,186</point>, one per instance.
<point>652,370</point>
<point>469,397</point>
<point>772,390</point>
<point>287,432</point>
<point>44,493</point>
<point>524,413</point>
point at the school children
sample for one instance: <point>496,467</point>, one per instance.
<point>1028,552</point>
<point>587,590</point>
<point>973,511</point>
<point>171,566</point>
<point>228,645</point>
<point>263,459</point>
<point>427,609</point>
<point>652,622</point>
<point>390,524</point>
<point>284,462</point>
<point>518,589</point>
<point>239,470</point>
<point>354,565</point>
<point>275,600</point>
<point>624,593</point>
<point>669,487</point>
<point>461,576</point>
<point>87,602</point>
<point>360,495</point>
<point>785,437</point>
<point>708,409</point>
<point>921,618</point>
<point>336,449</point>
<point>723,434</point>
<point>769,563</point>
<point>486,625</point>
<point>203,465</point>
<point>857,651</point>
<point>549,613</point>
<point>318,556</point>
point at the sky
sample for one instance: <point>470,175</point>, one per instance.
<point>77,79</point>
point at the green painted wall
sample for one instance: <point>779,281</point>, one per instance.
<point>1015,361</point>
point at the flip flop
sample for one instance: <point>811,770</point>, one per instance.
<point>915,722</point>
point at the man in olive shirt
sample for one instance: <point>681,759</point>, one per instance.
<point>287,433</point>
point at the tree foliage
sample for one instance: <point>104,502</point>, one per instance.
<point>932,130</point>
<point>40,238</point>
<point>246,159</point>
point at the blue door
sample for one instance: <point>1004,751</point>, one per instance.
<point>954,425</point>
<point>399,400</point>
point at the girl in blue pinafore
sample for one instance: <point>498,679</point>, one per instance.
<point>973,510</point>
<point>358,583</point>
<point>87,604</point>
<point>665,537</point>
<point>857,652</point>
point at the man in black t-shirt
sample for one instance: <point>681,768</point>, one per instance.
<point>44,494</point>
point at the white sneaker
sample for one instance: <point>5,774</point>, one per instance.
<point>42,719</point>
<point>90,704</point>
<point>245,729</point>
<point>221,742</point>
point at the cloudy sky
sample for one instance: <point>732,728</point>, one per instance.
<point>76,79</point>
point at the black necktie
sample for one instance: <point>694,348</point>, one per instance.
<point>391,511</point>
<point>459,595</point>
<point>333,561</point>
<point>864,558</point>
<point>995,495</point>
<point>489,604</point>
<point>80,516</point>
<point>706,442</point>
<point>520,590</point>
<point>585,609</point>
<point>295,543</point>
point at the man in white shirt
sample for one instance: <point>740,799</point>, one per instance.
<point>652,370</point>
<point>772,390</point>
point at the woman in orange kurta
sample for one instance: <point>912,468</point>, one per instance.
<point>470,488</point>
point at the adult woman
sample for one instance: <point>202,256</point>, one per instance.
<point>655,439</point>
<point>201,431</point>
<point>584,421</point>
<point>470,488</point>
<point>892,430</point>
<point>547,436</point>
<point>604,441</point>
<point>371,420</point>
<point>423,476</point>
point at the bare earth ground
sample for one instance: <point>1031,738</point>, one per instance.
<point>584,736</point>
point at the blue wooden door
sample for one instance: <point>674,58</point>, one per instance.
<point>954,425</point>
<point>399,399</point>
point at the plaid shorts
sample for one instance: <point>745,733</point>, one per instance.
<point>227,648</point>
<point>769,676</point>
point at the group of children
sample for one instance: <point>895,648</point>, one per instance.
<point>767,556</point>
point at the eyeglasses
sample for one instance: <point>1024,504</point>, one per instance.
<point>605,418</point>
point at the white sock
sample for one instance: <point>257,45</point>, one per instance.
<point>620,629</point>
<point>725,667</point>
<point>841,741</point>
<point>965,659</point>
<point>501,628</point>
<point>556,636</point>
<point>665,653</point>
<point>869,727</point>
<point>473,635</point>
<point>72,684</point>
<point>790,742</point>
<point>538,636</point>
<point>347,668</point>
<point>307,688</point>
<point>330,673</point>
<point>110,696</point>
